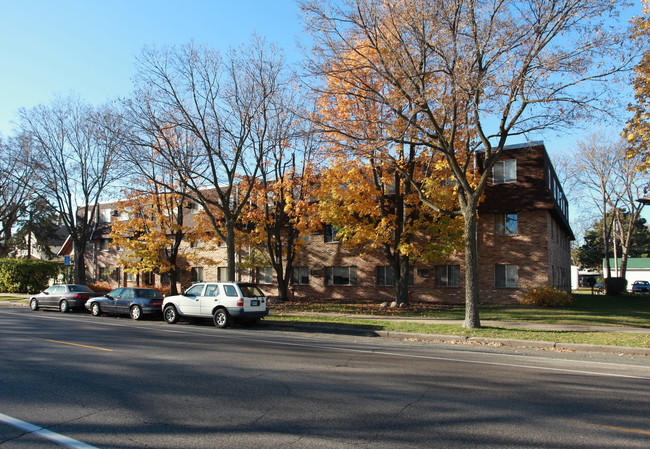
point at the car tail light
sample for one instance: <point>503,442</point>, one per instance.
<point>240,302</point>
<point>78,296</point>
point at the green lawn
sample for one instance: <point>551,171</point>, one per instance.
<point>10,297</point>
<point>627,310</point>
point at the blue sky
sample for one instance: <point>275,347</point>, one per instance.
<point>88,47</point>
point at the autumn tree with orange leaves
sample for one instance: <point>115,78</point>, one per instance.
<point>466,75</point>
<point>153,232</point>
<point>282,213</point>
<point>367,191</point>
<point>375,208</point>
<point>637,130</point>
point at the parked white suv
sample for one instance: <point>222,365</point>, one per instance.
<point>223,301</point>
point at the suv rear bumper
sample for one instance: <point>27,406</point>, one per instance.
<point>240,312</point>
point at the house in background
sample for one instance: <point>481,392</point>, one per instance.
<point>638,269</point>
<point>523,237</point>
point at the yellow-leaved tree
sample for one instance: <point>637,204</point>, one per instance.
<point>281,214</point>
<point>637,130</point>
<point>152,234</point>
<point>465,76</point>
<point>368,190</point>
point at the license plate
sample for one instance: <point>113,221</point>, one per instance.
<point>255,302</point>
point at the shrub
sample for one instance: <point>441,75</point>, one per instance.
<point>27,276</point>
<point>100,287</point>
<point>546,296</point>
<point>615,286</point>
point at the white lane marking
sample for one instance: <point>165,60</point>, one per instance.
<point>222,334</point>
<point>44,433</point>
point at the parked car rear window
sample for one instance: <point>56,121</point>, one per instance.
<point>149,294</point>
<point>80,288</point>
<point>250,290</point>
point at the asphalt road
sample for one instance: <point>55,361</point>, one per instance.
<point>74,380</point>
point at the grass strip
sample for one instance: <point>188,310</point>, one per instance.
<point>592,338</point>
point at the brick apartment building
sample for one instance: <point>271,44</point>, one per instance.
<point>523,236</point>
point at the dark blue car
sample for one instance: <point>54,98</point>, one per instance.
<point>127,301</point>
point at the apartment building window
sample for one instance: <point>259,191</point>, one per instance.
<point>505,171</point>
<point>330,233</point>
<point>197,244</point>
<point>300,276</point>
<point>385,276</point>
<point>196,274</point>
<point>505,224</point>
<point>265,275</point>
<point>447,276</point>
<point>105,216</point>
<point>506,276</point>
<point>222,273</point>
<point>104,244</point>
<point>104,274</point>
<point>340,275</point>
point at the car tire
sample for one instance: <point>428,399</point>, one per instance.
<point>221,318</point>
<point>64,306</point>
<point>170,314</point>
<point>33,304</point>
<point>95,309</point>
<point>135,312</point>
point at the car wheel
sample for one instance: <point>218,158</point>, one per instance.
<point>95,309</point>
<point>63,306</point>
<point>33,304</point>
<point>221,318</point>
<point>170,314</point>
<point>136,312</point>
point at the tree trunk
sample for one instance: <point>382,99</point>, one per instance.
<point>173,280</point>
<point>472,319</point>
<point>230,250</point>
<point>401,279</point>
<point>79,263</point>
<point>283,286</point>
<point>608,270</point>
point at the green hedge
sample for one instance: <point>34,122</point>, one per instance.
<point>615,286</point>
<point>27,276</point>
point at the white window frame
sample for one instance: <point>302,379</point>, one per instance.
<point>300,276</point>
<point>450,277</point>
<point>332,274</point>
<point>506,276</point>
<point>506,224</point>
<point>265,275</point>
<point>105,215</point>
<point>330,234</point>
<point>222,274</point>
<point>385,278</point>
<point>196,274</point>
<point>505,172</point>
